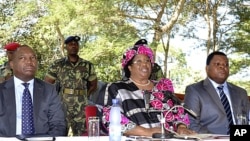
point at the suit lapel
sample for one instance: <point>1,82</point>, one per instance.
<point>234,99</point>
<point>37,98</point>
<point>213,93</point>
<point>10,102</point>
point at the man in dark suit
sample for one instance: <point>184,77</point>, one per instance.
<point>48,116</point>
<point>204,98</point>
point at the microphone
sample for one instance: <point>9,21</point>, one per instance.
<point>178,104</point>
<point>176,100</point>
<point>170,95</point>
<point>146,98</point>
<point>189,111</point>
<point>171,134</point>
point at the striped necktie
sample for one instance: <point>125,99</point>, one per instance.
<point>226,105</point>
<point>27,112</point>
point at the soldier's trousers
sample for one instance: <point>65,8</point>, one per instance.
<point>74,110</point>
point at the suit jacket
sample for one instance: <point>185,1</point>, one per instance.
<point>203,99</point>
<point>49,117</point>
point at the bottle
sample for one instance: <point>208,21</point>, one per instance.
<point>115,122</point>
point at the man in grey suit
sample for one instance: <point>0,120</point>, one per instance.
<point>48,116</point>
<point>204,98</point>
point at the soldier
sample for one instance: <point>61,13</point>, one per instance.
<point>156,73</point>
<point>5,70</point>
<point>76,79</point>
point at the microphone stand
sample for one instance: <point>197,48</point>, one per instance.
<point>163,134</point>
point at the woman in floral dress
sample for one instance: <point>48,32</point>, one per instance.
<point>136,118</point>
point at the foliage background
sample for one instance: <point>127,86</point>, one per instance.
<point>108,27</point>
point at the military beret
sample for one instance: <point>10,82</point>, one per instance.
<point>12,46</point>
<point>72,38</point>
<point>141,42</point>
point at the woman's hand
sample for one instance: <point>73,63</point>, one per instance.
<point>182,129</point>
<point>141,131</point>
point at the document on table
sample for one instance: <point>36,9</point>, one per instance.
<point>40,139</point>
<point>202,136</point>
<point>182,137</point>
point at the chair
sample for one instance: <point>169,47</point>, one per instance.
<point>90,111</point>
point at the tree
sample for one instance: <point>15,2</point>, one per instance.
<point>152,16</point>
<point>108,27</point>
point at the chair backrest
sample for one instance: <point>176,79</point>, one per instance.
<point>90,111</point>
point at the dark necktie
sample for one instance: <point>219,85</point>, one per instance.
<point>226,105</point>
<point>27,112</point>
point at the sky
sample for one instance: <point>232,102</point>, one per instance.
<point>196,59</point>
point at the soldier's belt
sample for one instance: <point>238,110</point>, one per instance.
<point>73,91</point>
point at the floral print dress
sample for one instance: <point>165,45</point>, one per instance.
<point>134,112</point>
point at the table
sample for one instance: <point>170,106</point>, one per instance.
<point>106,138</point>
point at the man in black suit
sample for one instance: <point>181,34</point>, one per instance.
<point>48,116</point>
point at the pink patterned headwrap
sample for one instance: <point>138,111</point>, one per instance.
<point>139,49</point>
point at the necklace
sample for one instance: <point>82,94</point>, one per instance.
<point>139,83</point>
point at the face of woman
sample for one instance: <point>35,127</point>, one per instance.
<point>141,67</point>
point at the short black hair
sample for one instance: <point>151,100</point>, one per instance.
<point>126,70</point>
<point>211,56</point>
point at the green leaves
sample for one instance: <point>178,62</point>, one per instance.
<point>108,27</point>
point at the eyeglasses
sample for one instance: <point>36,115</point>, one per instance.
<point>139,62</point>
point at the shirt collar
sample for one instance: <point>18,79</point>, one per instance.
<point>18,81</point>
<point>216,85</point>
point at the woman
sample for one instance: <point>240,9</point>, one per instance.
<point>137,119</point>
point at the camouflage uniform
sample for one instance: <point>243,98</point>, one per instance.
<point>74,77</point>
<point>156,73</point>
<point>5,72</point>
